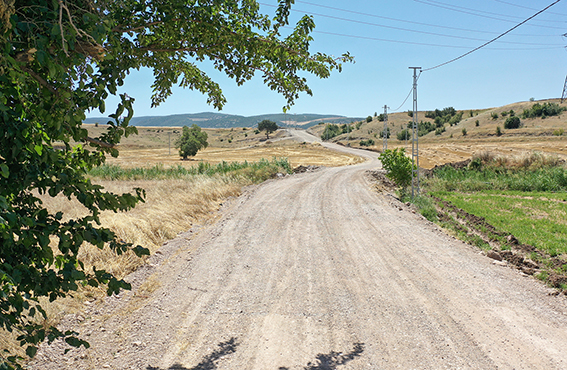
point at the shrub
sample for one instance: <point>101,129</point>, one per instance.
<point>382,133</point>
<point>558,132</point>
<point>476,123</point>
<point>381,117</point>
<point>398,166</point>
<point>331,131</point>
<point>543,110</point>
<point>369,119</point>
<point>455,119</point>
<point>464,131</point>
<point>512,122</point>
<point>410,113</point>
<point>494,116</point>
<point>359,124</point>
<point>504,114</point>
<point>498,131</point>
<point>403,135</point>
<point>440,130</point>
<point>368,142</point>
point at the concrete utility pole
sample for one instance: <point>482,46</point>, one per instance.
<point>564,95</point>
<point>415,139</point>
<point>385,133</point>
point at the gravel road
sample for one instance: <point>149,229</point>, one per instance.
<point>316,271</point>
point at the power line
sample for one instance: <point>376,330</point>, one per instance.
<point>483,16</point>
<point>482,11</point>
<point>410,22</point>
<point>527,7</point>
<point>426,44</point>
<point>494,39</point>
<point>406,29</point>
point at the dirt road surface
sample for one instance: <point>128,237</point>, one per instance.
<point>316,271</point>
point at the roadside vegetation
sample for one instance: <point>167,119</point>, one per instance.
<point>513,208</point>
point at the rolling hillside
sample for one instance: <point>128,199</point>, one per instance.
<point>221,120</point>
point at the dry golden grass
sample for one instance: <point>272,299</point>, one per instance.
<point>297,154</point>
<point>171,207</point>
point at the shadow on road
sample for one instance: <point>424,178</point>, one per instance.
<point>209,362</point>
<point>331,361</point>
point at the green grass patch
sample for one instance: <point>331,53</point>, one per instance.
<point>255,171</point>
<point>538,219</point>
<point>470,180</point>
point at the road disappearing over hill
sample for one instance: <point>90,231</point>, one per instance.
<point>317,271</point>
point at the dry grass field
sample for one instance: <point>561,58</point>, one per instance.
<point>157,146</point>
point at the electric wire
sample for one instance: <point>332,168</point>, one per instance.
<point>411,22</point>
<point>483,11</point>
<point>406,29</point>
<point>426,44</point>
<point>484,16</point>
<point>494,39</point>
<point>527,7</point>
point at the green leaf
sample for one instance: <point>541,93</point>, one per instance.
<point>31,351</point>
<point>5,172</point>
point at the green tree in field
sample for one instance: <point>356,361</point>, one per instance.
<point>512,122</point>
<point>398,167</point>
<point>61,59</point>
<point>268,126</point>
<point>191,141</point>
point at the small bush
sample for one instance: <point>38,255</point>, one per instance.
<point>512,123</point>
<point>368,119</point>
<point>403,135</point>
<point>331,131</point>
<point>543,110</point>
<point>558,132</point>
<point>464,131</point>
<point>494,116</point>
<point>359,124</point>
<point>498,131</point>
<point>368,142</point>
<point>504,114</point>
<point>410,113</point>
<point>440,130</point>
<point>398,166</point>
<point>476,123</point>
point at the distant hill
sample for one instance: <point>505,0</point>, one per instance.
<point>221,120</point>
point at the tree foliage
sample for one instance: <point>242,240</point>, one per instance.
<point>398,166</point>
<point>191,141</point>
<point>268,126</point>
<point>60,59</point>
<point>512,122</point>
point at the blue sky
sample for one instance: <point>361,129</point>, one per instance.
<point>386,37</point>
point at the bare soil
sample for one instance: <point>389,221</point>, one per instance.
<point>318,271</point>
